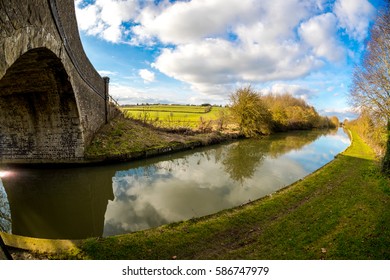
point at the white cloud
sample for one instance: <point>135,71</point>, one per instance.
<point>104,18</point>
<point>107,73</point>
<point>218,61</point>
<point>126,93</point>
<point>342,113</point>
<point>213,46</point>
<point>298,91</point>
<point>146,75</point>
<point>86,16</point>
<point>323,4</point>
<point>320,33</point>
<point>266,47</point>
<point>355,17</point>
<point>189,21</point>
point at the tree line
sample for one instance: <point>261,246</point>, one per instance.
<point>370,92</point>
<point>257,114</point>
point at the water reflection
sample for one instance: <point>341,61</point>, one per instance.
<point>207,181</point>
<point>243,158</point>
<point>58,203</point>
<point>109,200</point>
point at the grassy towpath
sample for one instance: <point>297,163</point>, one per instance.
<point>341,211</point>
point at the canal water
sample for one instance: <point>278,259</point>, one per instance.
<point>75,203</point>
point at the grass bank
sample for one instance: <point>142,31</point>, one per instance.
<point>342,211</point>
<point>124,139</point>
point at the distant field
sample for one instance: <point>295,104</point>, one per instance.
<point>175,116</point>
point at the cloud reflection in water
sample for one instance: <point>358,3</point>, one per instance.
<point>214,179</point>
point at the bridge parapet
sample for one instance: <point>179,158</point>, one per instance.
<point>68,30</point>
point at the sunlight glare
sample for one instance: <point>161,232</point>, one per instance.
<point>4,173</point>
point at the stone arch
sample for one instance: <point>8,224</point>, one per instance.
<point>39,116</point>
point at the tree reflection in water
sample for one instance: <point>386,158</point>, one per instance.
<point>192,184</point>
<point>114,199</point>
<point>243,158</point>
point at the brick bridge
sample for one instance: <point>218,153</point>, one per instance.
<point>52,100</point>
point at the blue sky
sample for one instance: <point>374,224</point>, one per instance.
<point>200,51</point>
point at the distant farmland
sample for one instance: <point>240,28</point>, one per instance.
<point>176,116</point>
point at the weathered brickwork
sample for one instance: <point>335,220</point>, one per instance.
<point>52,100</point>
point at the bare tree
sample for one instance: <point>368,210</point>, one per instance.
<point>249,111</point>
<point>371,81</point>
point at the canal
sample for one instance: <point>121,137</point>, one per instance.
<point>75,203</point>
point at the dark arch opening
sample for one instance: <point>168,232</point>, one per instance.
<point>39,119</point>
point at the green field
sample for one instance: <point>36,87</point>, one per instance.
<point>175,116</point>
